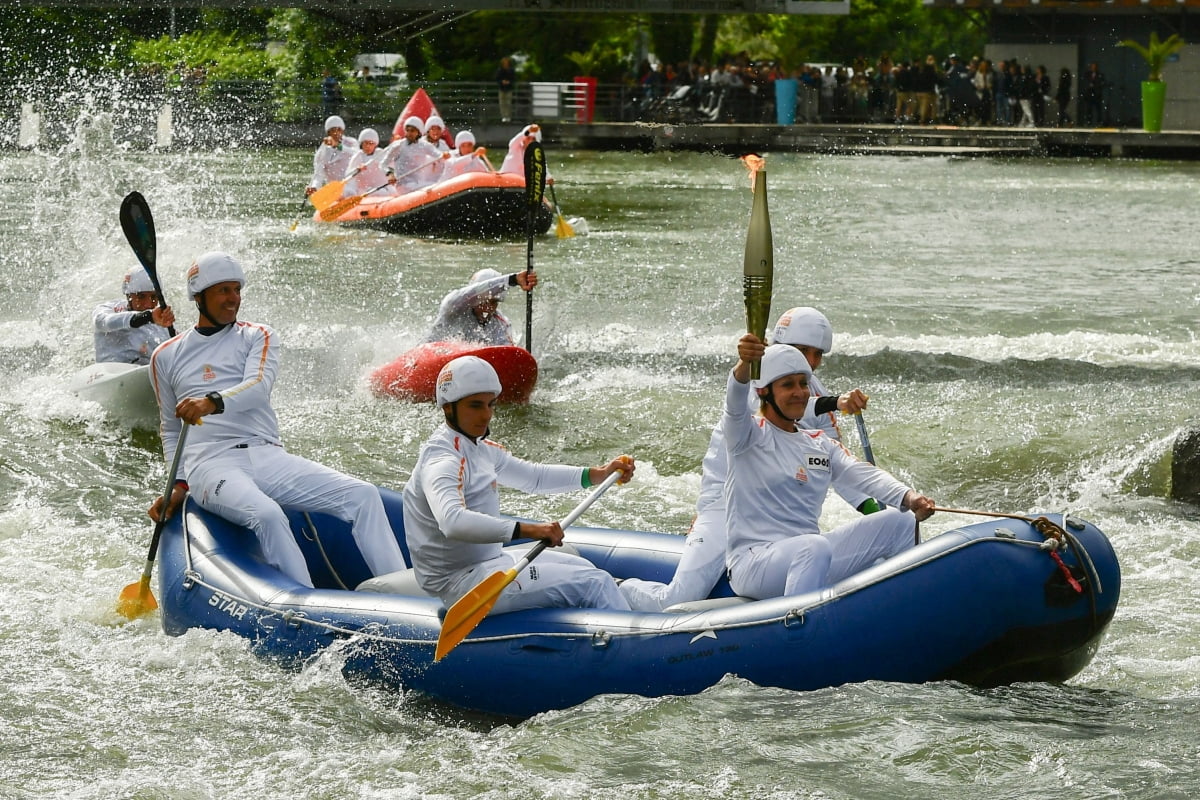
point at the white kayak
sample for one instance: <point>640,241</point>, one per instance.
<point>124,391</point>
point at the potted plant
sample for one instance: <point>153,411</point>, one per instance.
<point>1154,90</point>
<point>588,63</point>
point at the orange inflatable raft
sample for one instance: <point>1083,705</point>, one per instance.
<point>477,204</point>
<point>413,375</point>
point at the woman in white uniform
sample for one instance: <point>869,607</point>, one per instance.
<point>779,475</point>
<point>452,507</point>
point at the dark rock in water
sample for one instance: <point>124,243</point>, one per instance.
<point>1185,467</point>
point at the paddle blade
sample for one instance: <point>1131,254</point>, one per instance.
<point>468,612</point>
<point>138,225</point>
<point>535,176</point>
<point>327,195</point>
<point>341,207</point>
<point>136,599</point>
<point>563,229</point>
<point>758,264</point>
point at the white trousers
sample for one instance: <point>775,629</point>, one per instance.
<point>552,580</point>
<point>804,563</point>
<point>252,486</point>
<point>701,565</point>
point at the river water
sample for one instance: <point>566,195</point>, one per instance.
<point>1025,330</point>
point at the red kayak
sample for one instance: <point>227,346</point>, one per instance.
<point>412,376</point>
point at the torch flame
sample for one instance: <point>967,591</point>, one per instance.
<point>754,164</point>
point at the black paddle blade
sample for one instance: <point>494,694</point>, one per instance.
<point>535,175</point>
<point>138,225</point>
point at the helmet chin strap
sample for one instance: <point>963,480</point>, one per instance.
<point>452,421</point>
<point>203,309</point>
<point>769,399</point>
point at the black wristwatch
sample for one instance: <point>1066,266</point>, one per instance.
<point>217,401</point>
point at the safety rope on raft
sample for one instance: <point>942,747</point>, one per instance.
<point>1057,538</point>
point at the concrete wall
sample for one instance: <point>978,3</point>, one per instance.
<point>1182,111</point>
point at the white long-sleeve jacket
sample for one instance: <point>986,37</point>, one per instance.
<point>240,361</point>
<point>452,506</point>
<point>330,163</point>
<point>116,341</point>
<point>456,322</point>
<point>778,479</point>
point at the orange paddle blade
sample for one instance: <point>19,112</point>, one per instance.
<point>136,599</point>
<point>328,194</point>
<point>341,207</point>
<point>469,611</point>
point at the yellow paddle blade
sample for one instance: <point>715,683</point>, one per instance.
<point>329,193</point>
<point>136,599</point>
<point>469,611</point>
<point>337,209</point>
<point>563,229</point>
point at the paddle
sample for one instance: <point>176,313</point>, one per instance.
<point>758,264</point>
<point>535,190</point>
<point>332,212</point>
<point>303,213</point>
<point>337,209</point>
<point>138,225</point>
<point>562,228</point>
<point>328,194</point>
<point>136,599</point>
<point>470,610</point>
<point>862,437</point>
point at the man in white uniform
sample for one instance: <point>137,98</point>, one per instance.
<point>220,373</point>
<point>452,507</point>
<point>471,314</point>
<point>702,562</point>
<point>779,475</point>
<point>127,331</point>
<point>332,156</point>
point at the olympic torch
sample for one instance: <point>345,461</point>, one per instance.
<point>758,266</point>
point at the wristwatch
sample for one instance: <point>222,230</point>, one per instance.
<point>217,401</point>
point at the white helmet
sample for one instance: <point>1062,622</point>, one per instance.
<point>415,122</point>
<point>487,274</point>
<point>369,135</point>
<point>212,268</point>
<point>334,122</point>
<point>465,376</point>
<point>434,119</point>
<point>463,136</point>
<point>136,280</point>
<point>804,326</point>
<point>780,360</point>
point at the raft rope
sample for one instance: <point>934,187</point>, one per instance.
<point>316,537</point>
<point>599,638</point>
<point>1056,538</point>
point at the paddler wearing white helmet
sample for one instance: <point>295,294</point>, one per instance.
<point>435,133</point>
<point>472,314</point>
<point>514,159</point>
<point>465,157</point>
<point>415,162</point>
<point>127,330</point>
<point>452,519</point>
<point>779,475</point>
<point>366,171</point>
<point>702,562</point>
<point>333,155</point>
<point>221,372</point>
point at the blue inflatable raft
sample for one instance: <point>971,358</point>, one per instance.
<point>995,602</point>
